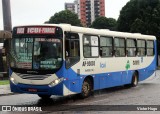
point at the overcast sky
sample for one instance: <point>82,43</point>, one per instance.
<point>38,11</point>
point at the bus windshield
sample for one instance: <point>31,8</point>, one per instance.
<point>36,53</point>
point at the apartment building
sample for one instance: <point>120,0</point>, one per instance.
<point>88,10</point>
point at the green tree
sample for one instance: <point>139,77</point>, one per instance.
<point>142,16</point>
<point>104,23</point>
<point>137,26</point>
<point>65,16</point>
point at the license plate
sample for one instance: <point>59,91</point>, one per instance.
<point>32,90</point>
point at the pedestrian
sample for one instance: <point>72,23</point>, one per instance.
<point>1,61</point>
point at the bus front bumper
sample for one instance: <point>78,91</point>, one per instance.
<point>37,89</point>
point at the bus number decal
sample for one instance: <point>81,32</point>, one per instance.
<point>88,63</point>
<point>136,62</point>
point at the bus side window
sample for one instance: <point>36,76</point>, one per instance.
<point>119,47</point>
<point>150,48</point>
<point>141,47</point>
<point>131,47</point>
<point>90,46</point>
<point>72,49</point>
<point>106,46</point>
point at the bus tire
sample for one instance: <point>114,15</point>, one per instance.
<point>87,88</point>
<point>134,82</point>
<point>44,96</point>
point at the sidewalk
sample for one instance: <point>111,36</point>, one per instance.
<point>5,90</point>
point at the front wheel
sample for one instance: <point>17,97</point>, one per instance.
<point>44,96</point>
<point>86,88</point>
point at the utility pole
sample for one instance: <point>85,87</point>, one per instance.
<point>7,23</point>
<point>7,15</point>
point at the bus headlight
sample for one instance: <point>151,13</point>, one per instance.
<point>55,82</point>
<point>13,80</point>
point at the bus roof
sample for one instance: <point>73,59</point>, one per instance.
<point>103,32</point>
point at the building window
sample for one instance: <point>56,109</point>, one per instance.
<point>131,47</point>
<point>119,47</point>
<point>106,46</point>
<point>90,46</point>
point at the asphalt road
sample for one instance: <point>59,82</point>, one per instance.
<point>145,96</point>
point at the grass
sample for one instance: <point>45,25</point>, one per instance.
<point>4,82</point>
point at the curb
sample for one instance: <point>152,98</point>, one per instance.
<point>8,94</point>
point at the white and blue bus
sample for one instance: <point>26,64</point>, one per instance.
<point>60,59</point>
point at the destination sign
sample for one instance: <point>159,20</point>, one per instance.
<point>36,30</point>
<point>40,30</point>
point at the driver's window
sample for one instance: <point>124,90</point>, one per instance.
<point>72,49</point>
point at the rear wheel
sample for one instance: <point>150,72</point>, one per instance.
<point>87,88</point>
<point>134,79</point>
<point>44,96</point>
